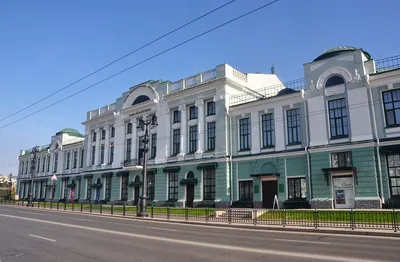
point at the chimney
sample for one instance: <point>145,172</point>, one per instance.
<point>273,69</point>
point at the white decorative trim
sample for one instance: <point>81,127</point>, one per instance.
<point>333,71</point>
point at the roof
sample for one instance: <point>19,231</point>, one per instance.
<point>70,131</point>
<point>338,50</point>
<point>42,148</point>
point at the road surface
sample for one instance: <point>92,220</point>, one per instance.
<point>28,234</point>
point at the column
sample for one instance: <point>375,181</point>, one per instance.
<point>71,159</point>
<point>107,145</point>
<point>134,146</point>
<point>78,164</point>
<point>184,121</point>
<point>163,135</point>
<point>97,151</point>
<point>88,148</point>
<point>200,126</point>
<point>119,143</point>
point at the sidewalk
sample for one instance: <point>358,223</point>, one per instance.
<point>343,231</point>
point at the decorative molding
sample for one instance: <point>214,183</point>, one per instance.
<point>199,103</point>
<point>259,163</point>
<point>182,107</point>
<point>146,90</point>
<point>333,71</point>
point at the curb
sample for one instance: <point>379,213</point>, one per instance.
<point>236,226</point>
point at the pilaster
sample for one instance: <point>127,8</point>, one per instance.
<point>200,127</point>
<point>97,151</point>
<point>107,145</point>
<point>184,121</point>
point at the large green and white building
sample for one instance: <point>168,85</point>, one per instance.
<point>226,138</point>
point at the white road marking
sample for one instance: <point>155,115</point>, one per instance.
<point>44,238</point>
<point>302,241</point>
<point>160,228</point>
<point>215,225</point>
<point>32,213</point>
<point>83,219</point>
<point>197,243</point>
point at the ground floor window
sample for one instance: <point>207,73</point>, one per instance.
<point>393,163</point>
<point>107,193</point>
<point>209,183</point>
<point>79,189</point>
<point>89,188</point>
<point>297,187</point>
<point>124,188</point>
<point>173,186</point>
<point>246,190</point>
<point>150,186</point>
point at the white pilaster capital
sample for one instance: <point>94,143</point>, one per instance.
<point>199,103</point>
<point>182,108</point>
<point>97,130</point>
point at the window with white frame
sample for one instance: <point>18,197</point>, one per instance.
<point>82,157</point>
<point>89,188</point>
<point>94,134</point>
<point>338,118</point>
<point>192,139</point>
<point>111,160</point>
<point>211,136</point>
<point>124,188</point>
<point>176,116</point>
<point>55,162</point>
<point>153,150</point>
<point>129,128</point>
<point>103,134</point>
<point>93,155</point>
<point>210,108</point>
<point>38,165</point>
<point>128,149</point>
<point>293,126</point>
<point>173,186</point>
<point>246,190</point>
<point>102,149</point>
<point>267,130</point>
<point>192,112</point>
<point>297,188</point>
<point>209,183</point>
<point>244,132</point>
<point>391,102</point>
<point>75,160</point>
<point>68,159</point>
<point>112,133</point>
<point>176,141</point>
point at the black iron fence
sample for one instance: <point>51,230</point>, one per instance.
<point>346,219</point>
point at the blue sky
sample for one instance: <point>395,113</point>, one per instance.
<point>46,45</point>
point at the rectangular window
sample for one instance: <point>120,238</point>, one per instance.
<point>267,130</point>
<point>89,188</point>
<point>341,159</point>
<point>93,154</point>
<point>151,179</point>
<point>38,165</point>
<point>63,189</point>
<point>293,126</point>
<point>82,157</point>
<point>68,159</point>
<point>112,134</point>
<point>211,136</point>
<point>244,129</point>
<point>141,150</point>
<point>107,193</point>
<point>246,190</point>
<point>210,108</point>
<point>153,145</point>
<point>176,116</point>
<point>55,162</point>
<point>103,134</point>
<point>391,102</point>
<point>176,144</point>
<point>22,168</point>
<point>297,188</point>
<point>43,163</point>
<point>393,162</point>
<point>48,164</point>
<point>111,153</point>
<point>129,128</point>
<point>75,161</point>
<point>338,118</point>
<point>124,188</point>
<point>26,167</point>
<point>192,139</point>
<point>192,112</point>
<point>128,149</point>
<point>209,183</point>
<point>173,186</point>
<point>102,148</point>
<point>94,137</point>
<point>79,189</point>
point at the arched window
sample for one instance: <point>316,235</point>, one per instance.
<point>141,99</point>
<point>334,80</point>
<point>190,175</point>
<point>98,181</point>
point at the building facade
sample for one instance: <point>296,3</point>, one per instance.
<point>226,138</point>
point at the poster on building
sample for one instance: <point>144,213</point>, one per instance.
<point>343,192</point>
<point>72,195</point>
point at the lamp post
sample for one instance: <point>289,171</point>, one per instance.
<point>144,125</point>
<point>10,186</point>
<point>35,150</point>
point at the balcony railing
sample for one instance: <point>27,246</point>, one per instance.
<point>132,162</point>
<point>387,64</point>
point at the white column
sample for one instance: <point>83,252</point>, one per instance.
<point>107,145</point>
<point>71,159</point>
<point>200,126</point>
<point>134,146</point>
<point>255,134</point>
<point>163,134</point>
<point>97,151</point>
<point>88,149</point>
<point>78,159</point>
<point>119,143</point>
<point>184,134</point>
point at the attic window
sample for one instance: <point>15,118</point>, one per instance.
<point>141,99</point>
<point>334,80</point>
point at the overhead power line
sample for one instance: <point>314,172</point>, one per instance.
<point>141,62</point>
<point>117,60</point>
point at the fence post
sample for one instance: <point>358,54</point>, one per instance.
<point>352,217</point>
<point>65,204</point>
<point>152,211</point>
<point>284,218</point>
<point>90,207</point>
<point>186,214</point>
<point>123,210</point>
<point>38,204</point>
<point>81,207</point>
<point>315,218</point>
<point>229,215</point>
<point>51,204</point>
<point>207,214</point>
<point>44,204</point>
<point>73,206</point>
<point>255,217</point>
<point>137,210</point>
<point>101,208</point>
<point>112,209</point>
<point>395,220</point>
<point>58,205</point>
<point>168,212</point>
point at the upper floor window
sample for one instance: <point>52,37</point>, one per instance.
<point>128,149</point>
<point>102,149</point>
<point>55,162</point>
<point>68,159</point>
<point>176,117</point>
<point>38,165</point>
<point>141,99</point>
<point>153,145</point>
<point>176,141</point>
<point>210,108</point>
<point>391,102</point>
<point>341,159</point>
<point>22,167</point>
<point>192,139</point>
<point>244,130</point>
<point>43,163</point>
<point>293,125</point>
<point>93,137</point>
<point>338,118</point>
<point>129,128</point>
<point>103,134</point>
<point>75,161</point>
<point>334,80</point>
<point>48,164</point>
<point>111,160</point>
<point>211,136</point>
<point>112,134</point>
<point>192,112</point>
<point>267,130</point>
<point>93,154</point>
<point>82,157</point>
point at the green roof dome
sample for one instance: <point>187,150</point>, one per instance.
<point>70,131</point>
<point>338,50</point>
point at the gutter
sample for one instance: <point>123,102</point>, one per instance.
<point>377,141</point>
<point>310,195</point>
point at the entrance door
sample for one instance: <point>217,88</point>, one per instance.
<point>269,190</point>
<point>136,196</point>
<point>343,192</point>
<point>189,195</point>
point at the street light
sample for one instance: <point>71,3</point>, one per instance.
<point>10,185</point>
<point>144,125</point>
<point>35,150</point>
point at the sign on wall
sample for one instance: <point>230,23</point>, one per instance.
<point>343,192</point>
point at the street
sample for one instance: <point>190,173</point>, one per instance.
<point>40,235</point>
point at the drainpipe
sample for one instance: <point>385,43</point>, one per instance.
<point>306,150</point>
<point>230,159</point>
<point>377,140</point>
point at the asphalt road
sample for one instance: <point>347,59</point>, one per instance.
<point>39,235</point>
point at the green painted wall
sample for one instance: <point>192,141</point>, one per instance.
<point>115,187</point>
<point>319,187</point>
<point>364,160</point>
